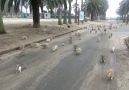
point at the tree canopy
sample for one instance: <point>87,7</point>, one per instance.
<point>123,9</point>
<point>95,8</point>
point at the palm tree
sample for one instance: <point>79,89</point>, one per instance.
<point>123,10</point>
<point>59,4</point>
<point>26,5</point>
<point>92,8</point>
<point>21,5</point>
<point>2,30</point>
<point>104,6</point>
<point>43,3</point>
<point>36,16</point>
<point>120,11</point>
<point>34,4</point>
<point>97,8</point>
<point>76,6</point>
<point>127,11</point>
<point>5,11</point>
<point>69,16</point>
<point>60,15</point>
<point>84,7</point>
<point>65,16</point>
<point>81,5</point>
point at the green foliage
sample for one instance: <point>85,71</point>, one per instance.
<point>95,7</point>
<point>54,3</point>
<point>123,10</point>
<point>123,7</point>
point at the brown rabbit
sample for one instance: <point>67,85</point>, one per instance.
<point>110,74</point>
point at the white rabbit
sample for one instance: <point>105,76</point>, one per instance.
<point>78,51</point>
<point>113,49</point>
<point>18,69</point>
<point>48,40</point>
<point>54,48</point>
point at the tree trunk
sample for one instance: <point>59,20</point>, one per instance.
<point>2,30</point>
<point>104,16</point>
<point>6,7</point>
<point>26,12</point>
<point>85,11</point>
<point>95,17</point>
<point>76,13</point>
<point>65,17</point>
<point>30,9</point>
<point>55,12</point>
<point>42,12</point>
<point>81,4</point>
<point>60,16</point>
<point>42,9</point>
<point>21,5</point>
<point>127,19</point>
<point>36,15</point>
<point>124,18</point>
<point>92,16</point>
<point>69,18</point>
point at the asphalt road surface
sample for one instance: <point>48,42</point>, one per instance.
<point>63,69</point>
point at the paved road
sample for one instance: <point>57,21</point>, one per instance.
<point>63,70</point>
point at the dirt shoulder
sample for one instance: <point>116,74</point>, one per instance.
<point>16,28</point>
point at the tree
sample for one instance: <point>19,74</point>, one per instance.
<point>123,10</point>
<point>21,5</point>
<point>93,8</point>
<point>36,16</point>
<point>104,6</point>
<point>59,4</point>
<point>43,3</point>
<point>81,5</point>
<point>60,15</point>
<point>64,3</point>
<point>75,6</point>
<point>2,30</point>
<point>33,3</point>
<point>5,11</point>
<point>69,16</point>
<point>26,5</point>
<point>84,7</point>
<point>59,12</point>
<point>65,16</point>
<point>97,8</point>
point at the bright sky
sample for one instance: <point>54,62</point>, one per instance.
<point>113,5</point>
